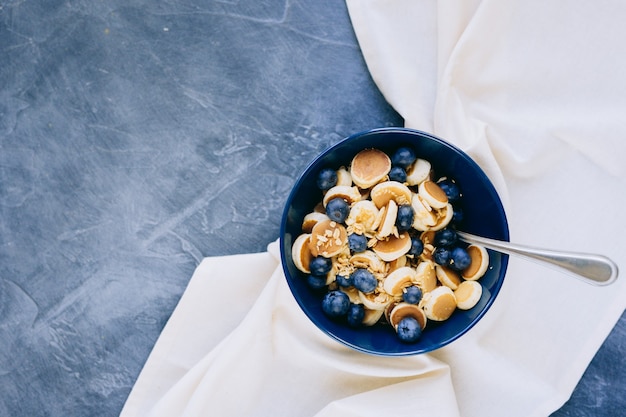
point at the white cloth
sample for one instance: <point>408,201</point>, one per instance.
<point>535,91</point>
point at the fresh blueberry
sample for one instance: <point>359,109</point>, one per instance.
<point>457,215</point>
<point>335,304</point>
<point>404,219</point>
<point>451,189</point>
<point>317,282</point>
<point>326,179</point>
<point>320,266</point>
<point>409,330</point>
<point>357,243</point>
<point>364,280</point>
<point>337,209</point>
<point>412,294</point>
<point>403,157</point>
<point>344,281</point>
<point>397,174</point>
<point>445,237</point>
<point>442,256</point>
<point>417,246</point>
<point>460,259</point>
<point>356,313</point>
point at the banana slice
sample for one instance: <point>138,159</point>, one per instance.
<point>398,279</point>
<point>368,259</point>
<point>432,194</point>
<point>369,167</point>
<point>363,216</point>
<point>375,300</point>
<point>424,217</point>
<point>393,247</point>
<point>444,217</point>
<point>447,277</point>
<point>350,194</point>
<point>372,316</point>
<point>402,310</point>
<point>479,265</point>
<point>311,220</point>
<point>425,276</point>
<point>387,191</point>
<point>328,239</point>
<point>418,172</point>
<point>344,177</point>
<point>439,304</point>
<point>301,254</point>
<point>388,220</point>
<point>468,294</point>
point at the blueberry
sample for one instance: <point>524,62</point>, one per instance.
<point>317,282</point>
<point>412,294</point>
<point>344,281</point>
<point>417,246</point>
<point>335,304</point>
<point>404,219</point>
<point>357,243</point>
<point>460,259</point>
<point>403,157</point>
<point>326,179</point>
<point>442,256</point>
<point>320,265</point>
<point>445,237</point>
<point>457,215</point>
<point>364,280</point>
<point>397,174</point>
<point>451,189</point>
<point>356,313</point>
<point>337,209</point>
<point>409,330</point>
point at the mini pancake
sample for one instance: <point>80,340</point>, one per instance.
<point>367,259</point>
<point>363,215</point>
<point>424,216</point>
<point>479,265</point>
<point>328,239</point>
<point>301,254</point>
<point>388,219</point>
<point>418,172</point>
<point>468,294</point>
<point>402,310</point>
<point>344,177</point>
<point>425,276</point>
<point>353,294</point>
<point>397,263</point>
<point>350,194</point>
<point>372,317</point>
<point>439,304</point>
<point>383,192</point>
<point>369,167</point>
<point>433,194</point>
<point>447,277</point>
<point>393,247</point>
<point>375,300</point>
<point>444,217</point>
<point>398,279</point>
<point>312,219</point>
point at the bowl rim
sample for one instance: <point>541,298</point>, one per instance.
<point>478,170</point>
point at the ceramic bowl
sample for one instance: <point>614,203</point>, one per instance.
<point>483,215</point>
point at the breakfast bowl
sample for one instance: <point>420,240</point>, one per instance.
<point>470,204</point>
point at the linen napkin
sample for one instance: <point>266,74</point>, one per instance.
<point>534,92</point>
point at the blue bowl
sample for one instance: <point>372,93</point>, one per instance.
<point>483,215</point>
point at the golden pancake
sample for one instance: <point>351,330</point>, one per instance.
<point>468,294</point>
<point>393,247</point>
<point>369,167</point>
<point>328,239</point>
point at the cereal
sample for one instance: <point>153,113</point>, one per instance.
<point>391,215</point>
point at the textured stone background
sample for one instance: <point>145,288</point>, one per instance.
<point>138,137</point>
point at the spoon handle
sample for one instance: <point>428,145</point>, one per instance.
<point>591,268</point>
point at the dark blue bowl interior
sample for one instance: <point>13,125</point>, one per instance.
<point>483,215</point>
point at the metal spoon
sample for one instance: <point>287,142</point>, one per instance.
<point>591,268</point>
